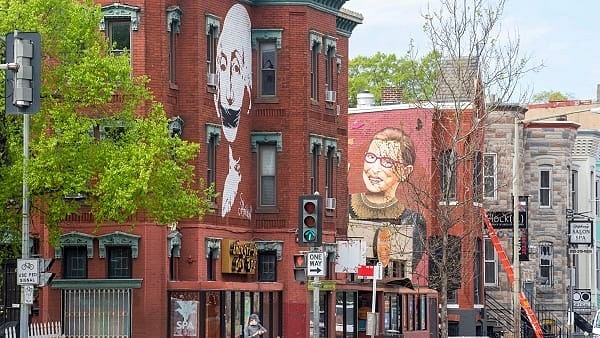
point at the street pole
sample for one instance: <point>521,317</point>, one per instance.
<point>316,286</point>
<point>516,234</point>
<point>373,301</point>
<point>24,308</point>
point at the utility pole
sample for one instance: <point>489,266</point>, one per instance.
<point>316,307</point>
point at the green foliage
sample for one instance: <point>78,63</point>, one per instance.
<point>373,73</point>
<point>137,168</point>
<point>550,95</point>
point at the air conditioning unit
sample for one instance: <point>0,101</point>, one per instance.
<point>330,203</point>
<point>330,95</point>
<point>211,79</point>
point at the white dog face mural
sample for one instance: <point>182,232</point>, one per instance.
<point>234,69</point>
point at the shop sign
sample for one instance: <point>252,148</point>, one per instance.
<point>238,256</point>
<point>580,232</point>
<point>504,219</point>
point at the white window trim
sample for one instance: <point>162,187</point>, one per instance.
<point>549,188</point>
<point>496,264</point>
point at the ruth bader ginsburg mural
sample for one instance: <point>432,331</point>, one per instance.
<point>234,71</point>
<point>389,156</point>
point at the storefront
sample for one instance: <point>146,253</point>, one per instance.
<point>223,313</point>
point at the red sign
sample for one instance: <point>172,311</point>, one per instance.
<point>366,270</point>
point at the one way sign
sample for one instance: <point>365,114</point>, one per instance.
<point>316,264</point>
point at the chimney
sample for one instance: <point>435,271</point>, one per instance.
<point>598,93</point>
<point>391,95</point>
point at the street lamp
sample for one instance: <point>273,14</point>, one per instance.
<point>516,235</point>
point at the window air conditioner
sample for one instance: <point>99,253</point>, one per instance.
<point>211,79</point>
<point>330,95</point>
<point>330,203</point>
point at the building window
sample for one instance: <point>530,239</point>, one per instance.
<point>545,188</point>
<point>173,27</point>
<point>477,177</point>
<point>597,267</point>
<point>212,36</point>
<point>573,188</point>
<point>489,176</point>
<point>546,263</point>
<point>267,266</point>
<point>395,269</point>
<point>329,170</point>
<point>452,297</point>
<point>314,167</point>
<point>119,261</point>
<point>119,36</point>
<point>267,158</point>
<point>74,262</point>
<point>268,73</point>
<point>448,175</point>
<point>330,63</point>
<point>83,308</point>
<point>211,161</point>
<point>490,263</point>
<point>315,50</point>
<point>477,296</point>
<point>118,21</point>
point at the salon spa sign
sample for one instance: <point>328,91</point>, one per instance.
<point>238,256</point>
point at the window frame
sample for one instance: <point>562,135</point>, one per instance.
<point>111,250</point>
<point>271,44</point>
<point>267,260</point>
<point>212,38</point>
<point>545,190</point>
<point>110,23</point>
<point>173,33</point>
<point>330,62</point>
<point>211,159</point>
<point>478,272</point>
<point>549,256</point>
<point>329,172</point>
<point>260,155</point>
<point>490,262</point>
<point>490,176</point>
<point>81,252</point>
<point>478,177</point>
<point>314,71</point>
<point>448,167</point>
<point>314,167</point>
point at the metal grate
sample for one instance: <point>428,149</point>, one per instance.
<point>97,313</point>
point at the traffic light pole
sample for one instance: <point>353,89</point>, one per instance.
<point>316,308</point>
<point>24,308</point>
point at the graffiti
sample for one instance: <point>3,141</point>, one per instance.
<point>244,211</point>
<point>234,74</point>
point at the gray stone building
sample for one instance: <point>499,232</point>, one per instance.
<point>545,166</point>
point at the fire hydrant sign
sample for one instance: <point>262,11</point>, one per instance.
<point>28,272</point>
<point>316,264</point>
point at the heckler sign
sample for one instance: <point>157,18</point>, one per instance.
<point>504,219</point>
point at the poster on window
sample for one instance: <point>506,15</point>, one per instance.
<point>184,318</point>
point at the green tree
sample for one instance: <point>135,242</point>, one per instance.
<point>550,95</point>
<point>373,73</point>
<point>99,135</point>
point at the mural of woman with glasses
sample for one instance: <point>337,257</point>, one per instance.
<point>388,162</point>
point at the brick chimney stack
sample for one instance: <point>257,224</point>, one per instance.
<point>391,95</point>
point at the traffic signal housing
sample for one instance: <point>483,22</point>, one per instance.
<point>310,228</point>
<point>22,87</point>
<point>300,267</point>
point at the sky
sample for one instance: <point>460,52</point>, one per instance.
<point>563,36</point>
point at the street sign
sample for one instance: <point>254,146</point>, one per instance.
<point>326,285</point>
<point>316,264</point>
<point>28,271</point>
<point>582,299</point>
<point>371,271</point>
<point>577,251</point>
<point>28,294</point>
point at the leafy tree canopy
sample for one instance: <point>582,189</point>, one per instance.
<point>550,95</point>
<point>373,73</point>
<point>99,134</point>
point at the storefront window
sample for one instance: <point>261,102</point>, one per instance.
<point>392,311</point>
<point>213,315</point>
<point>184,308</point>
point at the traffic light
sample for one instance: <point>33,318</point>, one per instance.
<point>300,267</point>
<point>310,228</point>
<point>22,86</point>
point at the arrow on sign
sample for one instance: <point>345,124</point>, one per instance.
<point>317,270</point>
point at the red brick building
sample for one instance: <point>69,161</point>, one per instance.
<point>262,86</point>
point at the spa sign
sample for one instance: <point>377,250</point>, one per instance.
<point>238,256</point>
